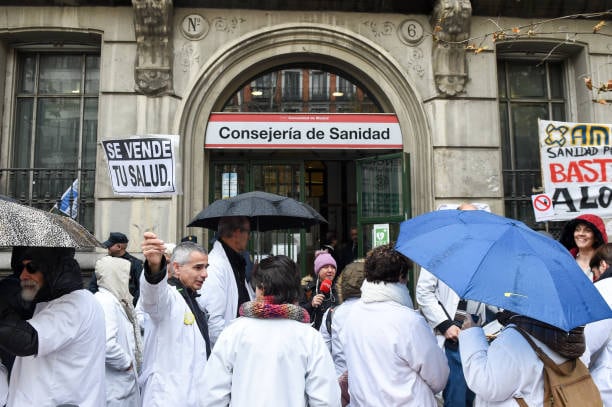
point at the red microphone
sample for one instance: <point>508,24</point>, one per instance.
<point>326,285</point>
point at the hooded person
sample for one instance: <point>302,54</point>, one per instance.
<point>55,363</point>
<point>11,301</point>
<point>123,340</point>
<point>324,291</point>
<point>582,236</point>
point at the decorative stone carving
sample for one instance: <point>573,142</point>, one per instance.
<point>227,25</point>
<point>189,56</point>
<point>415,61</point>
<point>153,26</point>
<point>385,28</point>
<point>451,26</point>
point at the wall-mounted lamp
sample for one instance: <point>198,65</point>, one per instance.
<point>337,94</point>
<point>255,92</point>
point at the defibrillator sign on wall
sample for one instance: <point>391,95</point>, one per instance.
<point>380,234</point>
<point>142,165</point>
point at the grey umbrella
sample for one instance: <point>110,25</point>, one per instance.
<point>8,198</point>
<point>22,225</point>
<point>266,211</point>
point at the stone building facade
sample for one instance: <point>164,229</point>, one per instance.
<point>445,69</point>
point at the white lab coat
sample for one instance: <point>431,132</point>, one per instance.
<point>69,366</point>
<point>267,363</point>
<point>121,385</point>
<point>219,293</point>
<point>332,339</point>
<point>598,337</point>
<point>3,384</point>
<point>176,351</point>
<point>429,291</point>
<point>392,356</point>
<point>508,368</point>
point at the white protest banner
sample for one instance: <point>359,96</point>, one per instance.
<point>577,167</point>
<point>143,165</point>
<point>303,130</point>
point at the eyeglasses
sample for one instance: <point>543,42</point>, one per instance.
<point>31,267</point>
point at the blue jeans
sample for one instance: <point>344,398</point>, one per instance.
<point>456,392</point>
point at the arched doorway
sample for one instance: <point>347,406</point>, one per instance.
<point>264,50</point>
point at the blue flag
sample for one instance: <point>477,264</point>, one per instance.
<point>69,204</point>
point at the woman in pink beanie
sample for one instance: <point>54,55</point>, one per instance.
<point>324,289</point>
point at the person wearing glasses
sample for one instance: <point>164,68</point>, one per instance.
<point>178,347</point>
<point>56,361</point>
<point>226,287</point>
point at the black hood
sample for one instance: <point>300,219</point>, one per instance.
<point>62,272</point>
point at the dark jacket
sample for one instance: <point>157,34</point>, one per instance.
<point>62,275</point>
<point>316,314</point>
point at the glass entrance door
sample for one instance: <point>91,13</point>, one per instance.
<point>281,178</point>
<point>383,198</point>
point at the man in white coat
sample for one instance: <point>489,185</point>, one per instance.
<point>226,287</point>
<point>58,350</point>
<point>270,356</point>
<point>391,353</point>
<point>179,335</point>
<point>123,341</point>
<point>439,304</point>
<point>598,337</point>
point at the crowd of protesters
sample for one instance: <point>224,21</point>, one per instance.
<point>188,328</point>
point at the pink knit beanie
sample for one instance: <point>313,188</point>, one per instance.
<point>323,259</point>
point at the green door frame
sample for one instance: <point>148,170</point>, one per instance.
<point>401,214</point>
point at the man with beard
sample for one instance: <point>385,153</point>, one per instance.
<point>56,360</point>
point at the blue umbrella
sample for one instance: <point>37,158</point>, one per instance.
<point>502,262</point>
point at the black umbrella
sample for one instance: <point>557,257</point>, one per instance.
<point>22,225</point>
<point>266,212</point>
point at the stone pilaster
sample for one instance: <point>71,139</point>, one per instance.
<point>451,27</point>
<point>153,26</point>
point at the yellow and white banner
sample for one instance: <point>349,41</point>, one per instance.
<point>577,167</point>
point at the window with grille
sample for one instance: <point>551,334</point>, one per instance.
<point>55,131</point>
<point>528,91</point>
<point>319,85</point>
<point>292,85</point>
